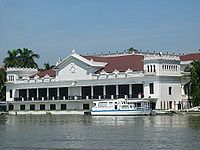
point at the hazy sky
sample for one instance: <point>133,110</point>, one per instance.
<point>52,28</point>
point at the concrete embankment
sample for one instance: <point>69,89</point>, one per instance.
<point>46,112</point>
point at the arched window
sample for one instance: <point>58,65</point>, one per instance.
<point>160,104</point>
<point>147,68</point>
<point>154,68</point>
<point>10,78</point>
<point>164,104</point>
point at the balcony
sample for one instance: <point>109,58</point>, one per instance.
<point>95,97</point>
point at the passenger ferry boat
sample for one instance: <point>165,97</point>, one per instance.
<point>121,107</point>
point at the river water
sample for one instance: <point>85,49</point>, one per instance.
<point>76,132</point>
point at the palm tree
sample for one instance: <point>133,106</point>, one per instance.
<point>2,83</point>
<point>12,59</point>
<point>23,58</point>
<point>195,80</point>
<point>47,66</point>
<point>26,58</point>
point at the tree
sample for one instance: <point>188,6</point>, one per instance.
<point>2,83</point>
<point>47,66</point>
<point>12,59</point>
<point>195,82</point>
<point>22,58</point>
<point>26,58</point>
<point>131,49</point>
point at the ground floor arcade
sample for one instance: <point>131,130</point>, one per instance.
<point>84,92</point>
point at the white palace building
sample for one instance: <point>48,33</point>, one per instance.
<point>78,80</point>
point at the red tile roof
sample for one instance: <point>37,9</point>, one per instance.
<point>190,57</point>
<point>49,72</point>
<point>120,63</point>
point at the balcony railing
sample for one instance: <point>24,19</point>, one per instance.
<point>95,97</point>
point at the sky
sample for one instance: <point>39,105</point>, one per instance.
<point>53,28</point>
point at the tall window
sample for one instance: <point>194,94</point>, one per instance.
<point>63,106</point>
<point>52,106</point>
<point>151,88</point>
<point>22,107</point>
<point>42,106</point>
<point>170,90</point>
<point>11,107</point>
<point>151,67</point>
<point>10,93</point>
<point>32,107</point>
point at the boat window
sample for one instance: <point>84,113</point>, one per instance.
<point>102,104</point>
<point>138,104</point>
<point>145,104</point>
<point>125,107</point>
<point>110,103</point>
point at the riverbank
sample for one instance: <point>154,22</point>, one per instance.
<point>72,112</point>
<point>87,112</point>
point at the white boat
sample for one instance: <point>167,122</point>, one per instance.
<point>121,107</point>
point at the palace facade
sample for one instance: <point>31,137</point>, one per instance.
<point>78,80</point>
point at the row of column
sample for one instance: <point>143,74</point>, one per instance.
<point>72,91</point>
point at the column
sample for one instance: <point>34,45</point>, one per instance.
<point>69,94</point>
<point>80,89</point>
<point>27,94</point>
<point>130,90</point>
<point>92,92</point>
<point>104,90</point>
<point>182,90</point>
<point>58,93</point>
<point>47,93</point>
<point>37,94</point>
<point>117,90</point>
<point>13,94</point>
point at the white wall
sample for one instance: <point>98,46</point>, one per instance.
<point>165,97</point>
<point>74,70</point>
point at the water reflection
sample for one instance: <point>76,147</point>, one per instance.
<point>95,132</point>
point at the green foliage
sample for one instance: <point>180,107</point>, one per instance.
<point>23,58</point>
<point>195,80</point>
<point>26,58</point>
<point>131,49</point>
<point>47,66</point>
<point>2,82</point>
<point>12,59</point>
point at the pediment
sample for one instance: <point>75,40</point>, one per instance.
<point>75,67</point>
<point>75,57</point>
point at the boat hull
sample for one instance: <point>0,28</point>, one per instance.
<point>120,113</point>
